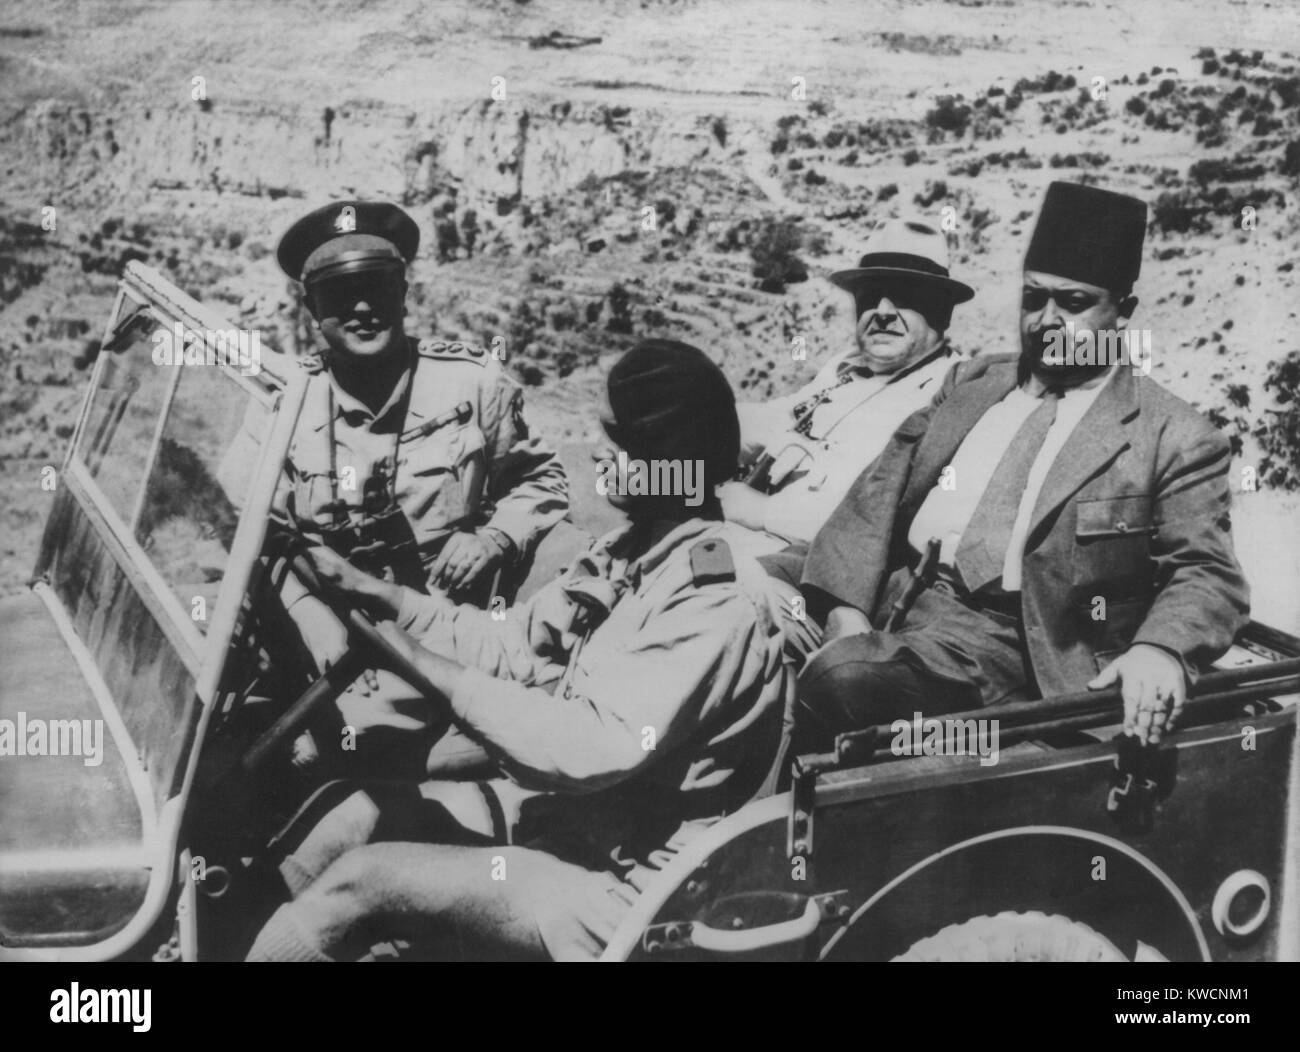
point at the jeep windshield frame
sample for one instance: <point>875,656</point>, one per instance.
<point>127,492</point>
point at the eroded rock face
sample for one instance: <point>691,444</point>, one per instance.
<point>495,154</point>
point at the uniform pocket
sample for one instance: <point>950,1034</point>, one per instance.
<point>441,476</point>
<point>316,500</point>
<point>450,450</point>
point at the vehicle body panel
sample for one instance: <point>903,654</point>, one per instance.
<point>909,847</point>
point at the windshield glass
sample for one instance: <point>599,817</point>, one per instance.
<point>173,448</point>
<point>198,479</point>
<point>123,416</point>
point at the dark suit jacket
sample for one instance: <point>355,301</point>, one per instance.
<point>1134,510</point>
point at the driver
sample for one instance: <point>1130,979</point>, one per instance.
<point>642,690</point>
<point>411,459</point>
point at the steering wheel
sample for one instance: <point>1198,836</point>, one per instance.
<point>367,649</point>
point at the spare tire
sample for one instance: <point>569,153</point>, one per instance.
<point>1014,937</point>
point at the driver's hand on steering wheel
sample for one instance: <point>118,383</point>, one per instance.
<point>335,573</point>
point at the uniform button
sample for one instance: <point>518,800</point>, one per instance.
<point>1121,526</point>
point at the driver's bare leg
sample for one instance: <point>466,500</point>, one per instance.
<point>492,901</point>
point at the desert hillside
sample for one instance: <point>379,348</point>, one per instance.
<point>586,174</point>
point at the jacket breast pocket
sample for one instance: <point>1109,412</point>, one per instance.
<point>443,472</point>
<point>317,500</point>
<point>1112,548</point>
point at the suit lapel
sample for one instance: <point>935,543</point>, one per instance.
<point>1099,436</point>
<point>951,423</point>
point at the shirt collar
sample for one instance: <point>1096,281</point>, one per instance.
<point>846,365</point>
<point>1090,388</point>
<point>356,412</point>
<point>608,555</point>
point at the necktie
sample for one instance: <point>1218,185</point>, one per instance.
<point>984,542</point>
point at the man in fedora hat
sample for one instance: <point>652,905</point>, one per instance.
<point>411,459</point>
<point>1080,513</point>
<point>807,448</point>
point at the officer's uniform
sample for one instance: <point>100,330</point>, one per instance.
<point>449,450</point>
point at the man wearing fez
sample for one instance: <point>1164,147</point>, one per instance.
<point>410,459</point>
<point>642,690</point>
<point>1080,512</point>
<point>807,448</point>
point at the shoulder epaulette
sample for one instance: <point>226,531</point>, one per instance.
<point>453,349</point>
<point>711,562</point>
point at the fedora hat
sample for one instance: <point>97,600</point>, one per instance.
<point>908,249</point>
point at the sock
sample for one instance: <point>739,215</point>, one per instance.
<point>351,824</point>
<point>285,939</point>
<point>297,877</point>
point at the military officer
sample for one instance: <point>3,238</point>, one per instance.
<point>411,459</point>
<point>809,447</point>
<point>643,689</point>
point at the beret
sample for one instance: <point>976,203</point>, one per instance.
<point>671,402</point>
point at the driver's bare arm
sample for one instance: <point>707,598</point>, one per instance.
<point>625,704</point>
<point>323,634</point>
<point>495,641</point>
<point>511,642</point>
<point>340,577</point>
<point>442,673</point>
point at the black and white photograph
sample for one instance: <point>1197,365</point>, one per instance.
<point>650,481</point>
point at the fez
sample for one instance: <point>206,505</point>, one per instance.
<point>347,238</point>
<point>1089,235</point>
